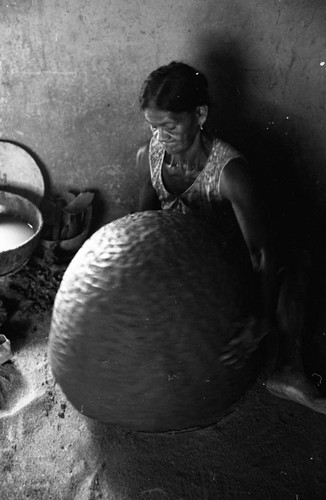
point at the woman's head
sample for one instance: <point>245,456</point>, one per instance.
<point>176,87</point>
<point>175,101</point>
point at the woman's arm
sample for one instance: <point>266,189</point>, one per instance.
<point>148,199</point>
<point>239,187</point>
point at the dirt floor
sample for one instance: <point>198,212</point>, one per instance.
<point>266,448</point>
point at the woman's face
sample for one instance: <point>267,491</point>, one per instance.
<point>176,131</point>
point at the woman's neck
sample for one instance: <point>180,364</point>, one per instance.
<point>195,157</point>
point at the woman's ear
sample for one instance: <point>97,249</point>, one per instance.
<point>202,112</point>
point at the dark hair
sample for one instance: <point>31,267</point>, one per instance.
<point>176,87</point>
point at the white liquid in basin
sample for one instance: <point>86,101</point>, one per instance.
<point>13,232</point>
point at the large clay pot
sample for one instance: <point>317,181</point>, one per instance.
<point>140,318</point>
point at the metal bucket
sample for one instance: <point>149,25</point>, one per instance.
<point>14,259</point>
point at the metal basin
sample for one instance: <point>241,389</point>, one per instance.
<point>13,259</point>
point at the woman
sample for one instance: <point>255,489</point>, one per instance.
<point>183,168</point>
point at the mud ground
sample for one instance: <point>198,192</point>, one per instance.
<point>266,448</point>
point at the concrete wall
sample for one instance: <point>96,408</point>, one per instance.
<point>70,72</point>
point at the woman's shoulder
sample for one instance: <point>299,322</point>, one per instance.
<point>151,147</point>
<point>143,150</point>
<point>142,160</point>
<point>149,157</point>
<point>224,150</point>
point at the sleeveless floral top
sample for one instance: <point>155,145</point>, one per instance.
<point>204,194</point>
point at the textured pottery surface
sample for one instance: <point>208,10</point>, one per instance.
<point>140,318</point>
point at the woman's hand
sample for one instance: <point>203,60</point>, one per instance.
<point>238,350</point>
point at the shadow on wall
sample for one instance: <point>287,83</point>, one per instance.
<point>268,152</point>
<point>225,79</point>
<point>276,162</point>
